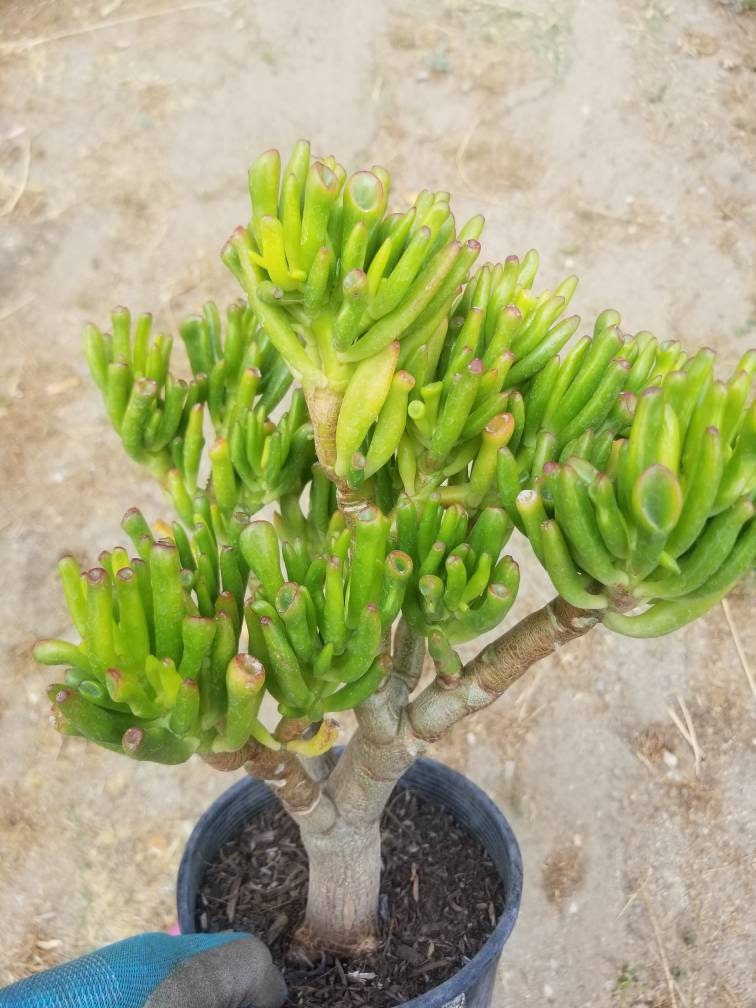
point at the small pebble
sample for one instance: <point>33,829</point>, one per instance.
<point>48,946</point>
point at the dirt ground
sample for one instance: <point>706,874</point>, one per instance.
<point>617,137</point>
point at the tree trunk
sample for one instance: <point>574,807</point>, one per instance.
<point>345,857</point>
<point>338,808</point>
<point>342,899</point>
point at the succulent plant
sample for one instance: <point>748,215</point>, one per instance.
<point>436,408</point>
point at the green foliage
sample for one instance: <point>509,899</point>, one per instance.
<point>320,632</point>
<point>417,370</point>
<point>238,379</point>
<point>155,674</point>
<point>461,585</point>
<point>662,514</point>
<point>436,410</point>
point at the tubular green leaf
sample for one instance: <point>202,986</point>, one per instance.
<point>284,663</point>
<point>154,744</point>
<point>662,617</point>
<point>264,180</point>
<point>259,546</point>
<point>574,512</point>
<point>390,424</point>
<point>354,693</point>
<point>70,577</point>
<point>104,727</point>
<point>394,325</point>
<point>560,567</point>
<point>245,679</point>
<point>707,555</point>
<point>99,636</point>
<point>167,600</point>
<point>369,551</point>
<point>363,399</point>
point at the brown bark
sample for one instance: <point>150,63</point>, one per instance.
<point>300,795</point>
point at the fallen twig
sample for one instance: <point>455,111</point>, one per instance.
<point>671,986</point>
<point>687,731</point>
<point>7,312</point>
<point>739,647</point>
<point>12,202</point>
<point>24,45</point>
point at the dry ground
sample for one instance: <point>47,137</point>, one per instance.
<point>618,138</point>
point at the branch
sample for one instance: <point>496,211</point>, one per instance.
<point>495,668</point>
<point>373,760</point>
<point>366,774</point>
<point>409,654</point>
<point>379,716</point>
<point>300,795</point>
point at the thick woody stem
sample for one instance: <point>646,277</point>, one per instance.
<point>365,775</point>
<point>409,654</point>
<point>300,795</point>
<point>379,716</point>
<point>496,668</point>
<point>323,404</point>
<point>339,820</point>
<point>343,889</point>
<point>345,860</point>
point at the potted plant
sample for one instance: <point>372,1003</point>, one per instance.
<point>437,407</point>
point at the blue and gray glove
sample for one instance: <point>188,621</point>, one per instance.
<point>157,971</point>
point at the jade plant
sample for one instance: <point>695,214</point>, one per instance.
<point>401,410</point>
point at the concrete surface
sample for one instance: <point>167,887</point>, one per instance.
<point>616,137</point>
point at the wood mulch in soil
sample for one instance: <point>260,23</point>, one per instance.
<point>440,899</point>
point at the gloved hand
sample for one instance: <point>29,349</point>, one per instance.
<point>157,971</point>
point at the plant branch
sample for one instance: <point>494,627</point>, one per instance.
<point>365,776</point>
<point>392,733</point>
<point>379,716</point>
<point>301,796</point>
<point>496,668</point>
<point>378,753</point>
<point>409,654</point>
<point>323,405</point>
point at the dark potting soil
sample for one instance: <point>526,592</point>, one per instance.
<point>440,899</point>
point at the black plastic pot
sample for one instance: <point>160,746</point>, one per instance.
<point>472,986</point>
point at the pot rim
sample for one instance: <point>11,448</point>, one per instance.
<point>422,772</point>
